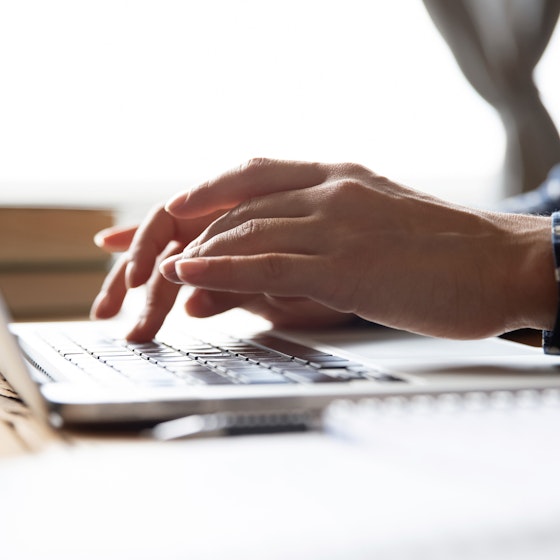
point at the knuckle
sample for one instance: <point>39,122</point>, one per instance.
<point>357,169</point>
<point>192,250</point>
<point>274,267</point>
<point>341,192</point>
<point>240,213</point>
<point>251,227</point>
<point>248,228</point>
<point>254,165</point>
<point>347,186</point>
<point>350,169</point>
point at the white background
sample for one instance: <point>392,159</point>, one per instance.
<point>124,102</point>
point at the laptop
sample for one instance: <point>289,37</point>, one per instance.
<point>85,373</point>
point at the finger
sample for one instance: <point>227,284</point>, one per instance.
<point>295,204</point>
<point>273,274</point>
<point>255,178</point>
<point>115,239</point>
<point>261,236</point>
<point>297,313</point>
<point>167,269</point>
<point>160,298</point>
<point>150,240</point>
<point>111,296</point>
<point>253,237</point>
<point>206,303</point>
<point>281,312</point>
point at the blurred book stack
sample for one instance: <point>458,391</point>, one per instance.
<point>49,264</point>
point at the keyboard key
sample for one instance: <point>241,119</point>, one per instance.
<point>387,377</point>
<point>224,365</point>
<point>153,376</point>
<point>271,378</point>
<point>207,377</point>
<point>145,346</point>
<point>119,358</point>
<point>256,374</point>
<point>191,367</point>
<point>171,359</point>
<point>84,361</point>
<point>287,347</point>
<point>309,375</point>
<point>343,374</point>
<point>331,362</point>
<point>210,356</point>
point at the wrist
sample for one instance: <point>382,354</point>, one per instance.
<point>551,337</point>
<point>529,287</point>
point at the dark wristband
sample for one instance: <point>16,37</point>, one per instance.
<point>551,339</point>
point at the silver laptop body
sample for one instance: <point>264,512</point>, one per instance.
<point>66,382</point>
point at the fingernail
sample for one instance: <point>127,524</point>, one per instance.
<point>189,269</point>
<point>99,239</point>
<point>98,304</point>
<point>167,269</point>
<point>129,275</point>
<point>177,203</point>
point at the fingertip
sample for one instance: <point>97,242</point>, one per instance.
<point>168,271</point>
<point>131,276</point>
<point>115,238</point>
<point>99,307</point>
<point>206,303</point>
<point>200,304</point>
<point>189,270</point>
<point>142,331</point>
<point>134,333</point>
<point>178,203</point>
<point>99,239</point>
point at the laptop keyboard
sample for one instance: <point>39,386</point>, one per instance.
<point>264,359</point>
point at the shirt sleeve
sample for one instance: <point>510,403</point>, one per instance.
<point>551,339</point>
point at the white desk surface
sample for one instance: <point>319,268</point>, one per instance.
<point>252,497</point>
<point>278,496</point>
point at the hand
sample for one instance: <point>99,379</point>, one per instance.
<point>162,235</point>
<point>159,236</point>
<point>353,241</point>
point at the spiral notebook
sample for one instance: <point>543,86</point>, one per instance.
<point>488,463</point>
<point>502,443</point>
<point>498,435</point>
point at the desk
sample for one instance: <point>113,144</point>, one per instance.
<point>297,496</point>
<point>20,431</point>
<point>263,497</point>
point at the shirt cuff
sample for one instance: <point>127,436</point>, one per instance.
<point>551,339</point>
